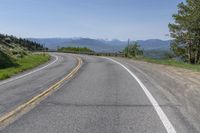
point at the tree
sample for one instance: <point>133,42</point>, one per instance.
<point>186,31</point>
<point>132,50</point>
<point>30,45</point>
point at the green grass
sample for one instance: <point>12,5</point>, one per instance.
<point>171,62</point>
<point>75,50</point>
<point>23,64</point>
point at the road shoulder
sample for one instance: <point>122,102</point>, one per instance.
<point>176,86</point>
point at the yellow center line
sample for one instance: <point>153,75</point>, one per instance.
<point>5,118</point>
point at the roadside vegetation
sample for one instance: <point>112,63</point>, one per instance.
<point>16,55</point>
<point>132,50</point>
<point>75,50</point>
<point>22,64</point>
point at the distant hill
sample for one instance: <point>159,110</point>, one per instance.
<point>94,44</point>
<point>155,44</point>
<point>100,45</point>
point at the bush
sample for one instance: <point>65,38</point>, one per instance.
<point>133,50</point>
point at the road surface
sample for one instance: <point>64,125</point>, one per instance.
<point>103,97</point>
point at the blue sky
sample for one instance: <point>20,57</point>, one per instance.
<point>105,19</point>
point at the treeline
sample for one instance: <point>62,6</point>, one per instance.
<point>30,45</point>
<point>75,50</point>
<point>186,32</point>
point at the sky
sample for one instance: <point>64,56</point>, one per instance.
<point>102,19</point>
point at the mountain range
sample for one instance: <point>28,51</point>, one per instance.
<point>101,45</point>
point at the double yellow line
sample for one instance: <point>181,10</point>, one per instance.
<point>25,107</point>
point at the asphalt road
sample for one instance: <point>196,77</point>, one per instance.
<point>102,98</point>
<point>18,89</point>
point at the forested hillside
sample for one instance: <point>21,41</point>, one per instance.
<point>12,48</point>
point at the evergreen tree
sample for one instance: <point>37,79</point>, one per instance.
<point>186,31</point>
<point>31,46</point>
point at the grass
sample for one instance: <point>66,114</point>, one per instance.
<point>75,49</point>
<point>171,62</point>
<point>23,64</point>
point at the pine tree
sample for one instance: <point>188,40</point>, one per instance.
<point>186,31</point>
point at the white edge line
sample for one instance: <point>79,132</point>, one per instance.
<point>167,124</point>
<point>19,77</point>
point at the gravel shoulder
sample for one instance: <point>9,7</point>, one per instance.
<point>180,86</point>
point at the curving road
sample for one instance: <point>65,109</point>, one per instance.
<point>16,90</point>
<point>102,98</point>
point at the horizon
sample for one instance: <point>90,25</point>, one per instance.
<point>107,19</point>
<point>112,39</point>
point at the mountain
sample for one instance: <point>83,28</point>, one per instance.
<point>154,44</point>
<point>94,44</point>
<point>101,45</point>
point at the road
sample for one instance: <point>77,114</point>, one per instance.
<point>103,97</point>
